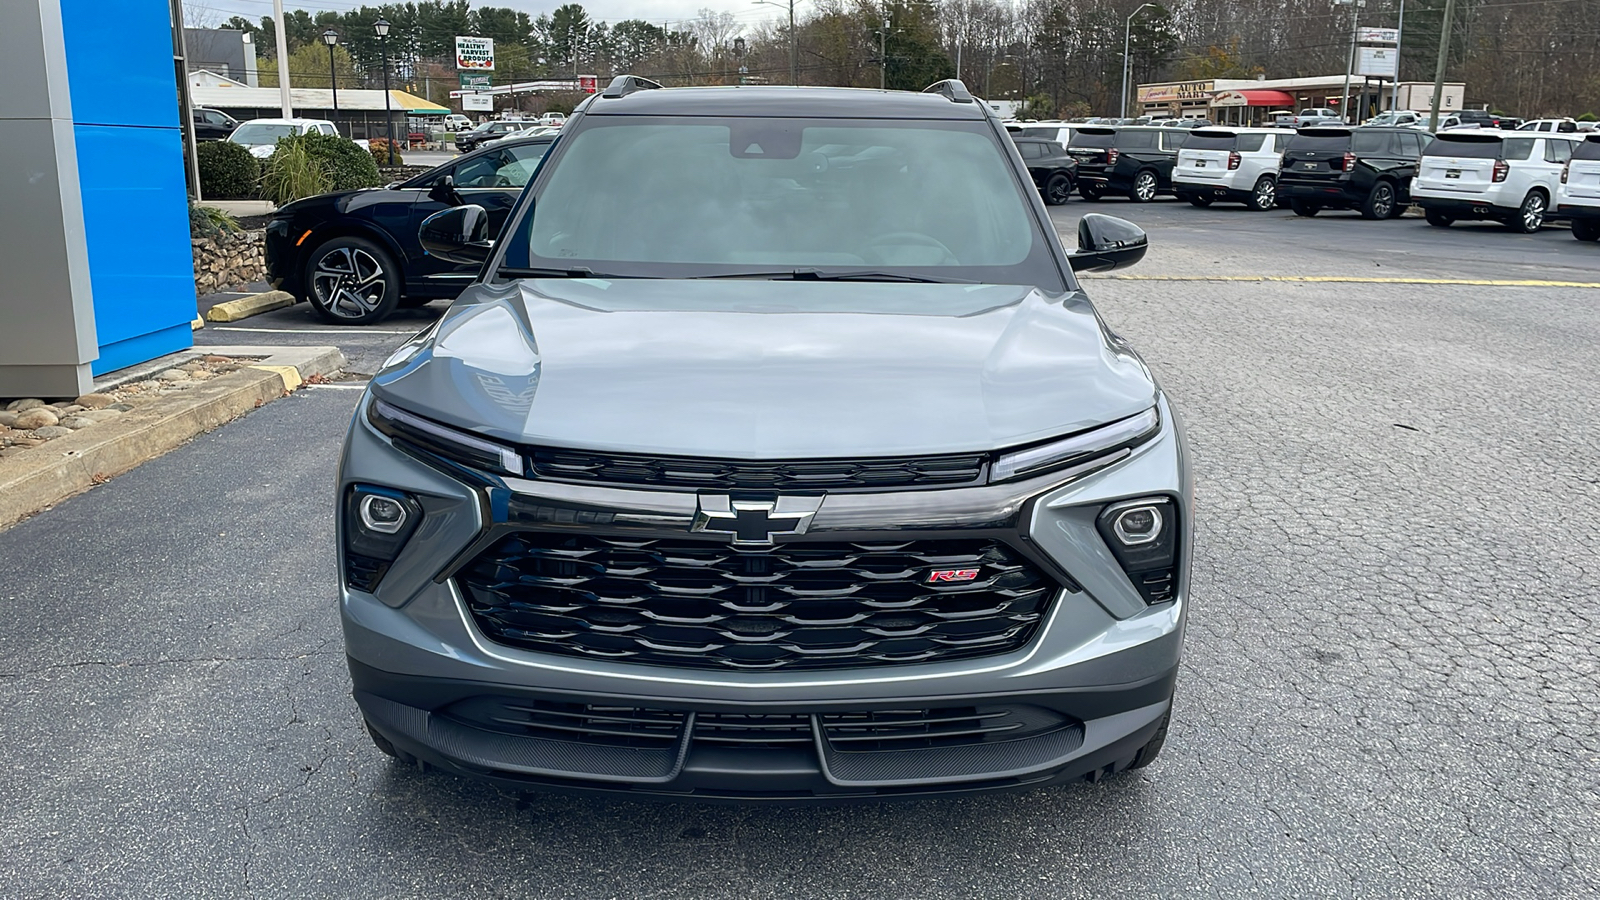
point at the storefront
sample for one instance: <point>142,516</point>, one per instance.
<point>1239,101</point>
<point>1249,107</point>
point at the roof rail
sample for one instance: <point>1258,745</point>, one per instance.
<point>951,88</point>
<point>623,85</point>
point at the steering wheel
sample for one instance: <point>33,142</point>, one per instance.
<point>913,239</point>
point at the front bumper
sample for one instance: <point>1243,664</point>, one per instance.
<point>1102,664</point>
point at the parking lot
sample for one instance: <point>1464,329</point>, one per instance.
<point>1388,688</point>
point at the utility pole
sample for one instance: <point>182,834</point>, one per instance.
<point>1438,72</point>
<point>1127,43</point>
<point>794,38</point>
<point>283,59</point>
<point>1399,41</point>
<point>1350,67</point>
<point>883,52</point>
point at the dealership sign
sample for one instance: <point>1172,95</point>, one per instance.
<point>477,103</point>
<point>1378,36</point>
<point>475,53</point>
<point>476,81</point>
<point>1166,93</point>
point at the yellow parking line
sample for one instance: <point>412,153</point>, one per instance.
<point>1356,279</point>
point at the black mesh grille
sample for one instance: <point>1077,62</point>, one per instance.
<point>907,729</point>
<point>726,474</point>
<point>803,604</point>
<point>584,723</point>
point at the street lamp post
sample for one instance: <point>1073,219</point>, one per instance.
<point>331,38</point>
<point>1127,41</point>
<point>794,39</point>
<point>382,28</point>
<point>738,54</point>
<point>1350,67</point>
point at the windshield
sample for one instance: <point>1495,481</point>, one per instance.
<point>262,133</point>
<point>1589,149</point>
<point>675,197</point>
<point>1087,138</point>
<point>1320,141</point>
<point>1200,140</point>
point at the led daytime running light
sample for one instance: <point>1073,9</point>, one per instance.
<point>1124,433</point>
<point>509,461</point>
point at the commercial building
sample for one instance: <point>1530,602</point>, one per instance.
<point>1247,101</point>
<point>360,112</point>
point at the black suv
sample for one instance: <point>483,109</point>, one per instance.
<point>1336,167</point>
<point>1136,161</point>
<point>468,141</point>
<point>814,476</point>
<point>212,124</point>
<point>1053,171</point>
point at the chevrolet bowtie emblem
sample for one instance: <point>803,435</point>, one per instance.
<point>752,523</point>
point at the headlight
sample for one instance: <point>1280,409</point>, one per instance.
<point>1122,434</point>
<point>377,523</point>
<point>442,440</point>
<point>1143,536</point>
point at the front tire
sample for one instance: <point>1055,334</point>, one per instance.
<point>1380,202</point>
<point>1145,185</point>
<point>1530,216</point>
<point>352,281</point>
<point>1058,190</point>
<point>1264,195</point>
<point>1586,229</point>
<point>1304,208</point>
<point>1438,218</point>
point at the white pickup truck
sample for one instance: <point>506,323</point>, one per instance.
<point>1316,115</point>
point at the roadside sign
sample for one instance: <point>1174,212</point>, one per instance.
<point>475,53</point>
<point>476,81</point>
<point>1377,35</point>
<point>1377,62</point>
<point>477,102</point>
<point>588,83</point>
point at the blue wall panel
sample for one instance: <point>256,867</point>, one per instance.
<point>130,174</point>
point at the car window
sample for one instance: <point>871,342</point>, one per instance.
<point>1280,142</point>
<point>1370,143</point>
<point>1410,147</point>
<point>776,194</point>
<point>1172,140</point>
<point>1589,149</point>
<point>1567,127</point>
<point>1136,140</point>
<point>261,133</point>
<point>1028,149</point>
<point>1095,139</point>
<point>509,167</point>
<point>1557,150</point>
<point>1319,142</point>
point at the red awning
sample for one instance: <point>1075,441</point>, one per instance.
<point>1253,98</point>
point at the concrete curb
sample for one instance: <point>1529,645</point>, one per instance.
<point>245,307</point>
<point>58,469</point>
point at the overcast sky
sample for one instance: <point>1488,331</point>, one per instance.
<point>602,10</point>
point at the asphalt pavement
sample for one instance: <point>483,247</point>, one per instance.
<point>1388,690</point>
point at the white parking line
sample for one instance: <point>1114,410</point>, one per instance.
<point>345,386</point>
<point>351,331</point>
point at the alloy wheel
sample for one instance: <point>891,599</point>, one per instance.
<point>1382,201</point>
<point>1532,216</point>
<point>1266,194</point>
<point>1144,187</point>
<point>349,282</point>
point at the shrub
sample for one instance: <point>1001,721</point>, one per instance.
<point>227,171</point>
<point>1587,117</point>
<point>294,171</point>
<point>379,148</point>
<point>208,221</point>
<point>348,165</point>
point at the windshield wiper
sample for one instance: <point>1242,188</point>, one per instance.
<point>553,272</point>
<point>815,275</point>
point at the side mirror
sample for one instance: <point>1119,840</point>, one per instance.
<point>444,191</point>
<point>459,234</point>
<point>1106,243</point>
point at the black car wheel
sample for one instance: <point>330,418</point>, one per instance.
<point>1438,218</point>
<point>1200,200</point>
<point>1144,187</point>
<point>1264,195</point>
<point>1530,217</point>
<point>1380,202</point>
<point>1586,229</point>
<point>1058,189</point>
<point>1304,208</point>
<point>1091,191</point>
<point>352,281</point>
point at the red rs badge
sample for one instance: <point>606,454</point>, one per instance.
<point>951,575</point>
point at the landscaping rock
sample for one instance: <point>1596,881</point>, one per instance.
<point>51,431</point>
<point>26,442</point>
<point>7,417</point>
<point>38,417</point>
<point>173,375</point>
<point>95,401</point>
<point>121,407</point>
<point>21,405</point>
<point>76,422</point>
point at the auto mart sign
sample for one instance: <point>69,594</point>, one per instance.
<point>1183,90</point>
<point>475,53</point>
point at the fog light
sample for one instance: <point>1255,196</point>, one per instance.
<point>1137,525</point>
<point>382,514</point>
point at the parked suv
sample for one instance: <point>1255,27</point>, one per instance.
<point>1236,164</point>
<point>802,481</point>
<point>212,124</point>
<point>468,141</point>
<point>1052,170</point>
<point>1578,196</point>
<point>1507,176</point>
<point>1366,168</point>
<point>1561,126</point>
<point>1134,160</point>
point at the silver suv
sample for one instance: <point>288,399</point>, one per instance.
<point>752,468</point>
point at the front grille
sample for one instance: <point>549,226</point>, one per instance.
<point>908,729</point>
<point>732,474</point>
<point>583,723</point>
<point>703,604</point>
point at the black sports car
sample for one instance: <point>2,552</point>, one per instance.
<point>354,254</point>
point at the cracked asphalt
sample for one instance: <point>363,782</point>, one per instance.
<point>1389,689</point>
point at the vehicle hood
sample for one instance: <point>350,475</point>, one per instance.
<point>767,370</point>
